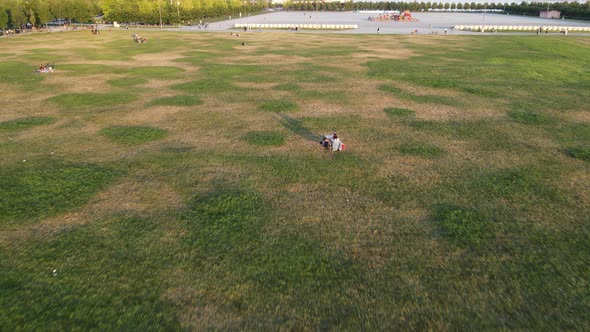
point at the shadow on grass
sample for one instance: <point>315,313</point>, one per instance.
<point>296,127</point>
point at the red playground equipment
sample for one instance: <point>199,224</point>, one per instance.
<point>394,16</point>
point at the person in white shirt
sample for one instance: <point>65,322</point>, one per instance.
<point>336,144</point>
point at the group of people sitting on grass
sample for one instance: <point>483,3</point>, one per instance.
<point>332,142</point>
<point>45,69</point>
<point>138,39</point>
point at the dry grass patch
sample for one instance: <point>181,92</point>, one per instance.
<point>420,171</point>
<point>160,88</point>
<point>263,87</point>
<point>283,60</point>
<point>578,182</point>
<point>156,115</point>
<point>202,307</point>
<point>393,52</point>
<point>81,84</point>
<point>583,116</point>
<point>162,59</point>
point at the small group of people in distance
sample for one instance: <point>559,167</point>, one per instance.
<point>332,142</point>
<point>45,69</point>
<point>138,39</point>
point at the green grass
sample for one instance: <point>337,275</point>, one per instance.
<point>79,295</point>
<point>528,117</point>
<point>582,153</point>
<point>77,70</point>
<point>20,75</point>
<point>195,58</point>
<point>398,112</point>
<point>25,123</point>
<point>264,138</point>
<point>126,48</point>
<point>282,105</point>
<point>204,86</point>
<point>287,87</point>
<point>461,226</point>
<point>421,149</point>
<point>176,101</point>
<point>239,73</point>
<point>131,135</point>
<point>91,101</point>
<point>127,81</point>
<point>38,189</point>
<point>443,100</point>
<point>162,73</point>
<point>222,212</point>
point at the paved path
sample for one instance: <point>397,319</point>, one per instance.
<point>426,22</point>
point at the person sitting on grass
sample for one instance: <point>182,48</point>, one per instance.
<point>336,144</point>
<point>45,69</point>
<point>325,143</point>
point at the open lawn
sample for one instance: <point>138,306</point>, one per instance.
<point>180,184</point>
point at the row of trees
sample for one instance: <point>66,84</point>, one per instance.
<point>176,11</point>
<point>18,13</point>
<point>573,10</point>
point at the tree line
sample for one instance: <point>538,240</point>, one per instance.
<point>572,10</point>
<point>176,11</point>
<point>21,13</point>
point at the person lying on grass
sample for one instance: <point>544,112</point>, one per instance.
<point>325,143</point>
<point>45,69</point>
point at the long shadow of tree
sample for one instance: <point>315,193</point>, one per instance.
<point>297,127</point>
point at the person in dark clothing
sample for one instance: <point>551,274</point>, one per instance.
<point>325,143</point>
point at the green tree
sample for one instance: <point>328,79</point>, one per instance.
<point>17,15</point>
<point>42,15</point>
<point>3,19</point>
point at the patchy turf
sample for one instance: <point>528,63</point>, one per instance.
<point>37,189</point>
<point>421,149</point>
<point>264,138</point>
<point>177,101</point>
<point>179,184</point>
<point>20,75</point>
<point>398,112</point>
<point>25,123</point>
<point>91,101</point>
<point>127,81</point>
<point>131,135</point>
<point>579,153</point>
<point>277,106</point>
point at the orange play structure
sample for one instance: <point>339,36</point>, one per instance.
<point>394,16</point>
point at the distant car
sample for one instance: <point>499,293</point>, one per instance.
<point>58,22</point>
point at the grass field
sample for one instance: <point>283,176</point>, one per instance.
<point>180,184</point>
